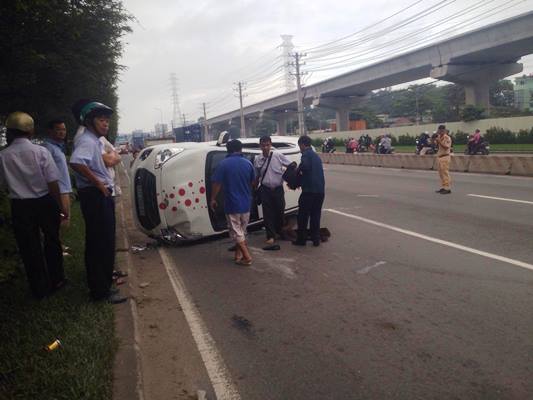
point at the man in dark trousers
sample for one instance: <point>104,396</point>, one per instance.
<point>269,178</point>
<point>312,197</point>
<point>32,177</point>
<point>97,205</point>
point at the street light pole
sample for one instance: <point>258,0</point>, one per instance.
<point>161,123</point>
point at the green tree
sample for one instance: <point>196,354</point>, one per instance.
<point>501,94</point>
<point>55,52</point>
<point>472,113</point>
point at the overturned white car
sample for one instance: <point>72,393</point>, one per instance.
<point>172,187</point>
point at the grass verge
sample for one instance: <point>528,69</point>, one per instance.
<point>82,367</point>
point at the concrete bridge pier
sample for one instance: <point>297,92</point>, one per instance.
<point>281,123</point>
<point>476,79</point>
<point>250,126</point>
<point>342,107</point>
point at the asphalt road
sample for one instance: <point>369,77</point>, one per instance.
<point>377,313</point>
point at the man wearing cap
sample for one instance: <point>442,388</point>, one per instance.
<point>32,178</point>
<point>55,143</point>
<point>443,158</point>
<point>98,208</point>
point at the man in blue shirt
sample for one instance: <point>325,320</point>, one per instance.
<point>55,143</point>
<point>97,205</point>
<point>235,174</point>
<point>312,197</point>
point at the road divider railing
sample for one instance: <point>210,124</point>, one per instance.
<point>493,164</point>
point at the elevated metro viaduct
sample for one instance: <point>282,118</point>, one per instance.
<point>473,60</point>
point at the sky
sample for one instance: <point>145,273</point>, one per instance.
<point>212,44</point>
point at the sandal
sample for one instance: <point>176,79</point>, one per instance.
<point>119,274</point>
<point>242,261</point>
<point>119,281</point>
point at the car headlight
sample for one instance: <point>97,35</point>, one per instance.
<point>164,155</point>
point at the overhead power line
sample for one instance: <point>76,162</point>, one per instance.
<point>348,61</point>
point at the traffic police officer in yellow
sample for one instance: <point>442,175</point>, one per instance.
<point>31,176</point>
<point>443,159</point>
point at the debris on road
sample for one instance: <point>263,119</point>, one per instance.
<point>143,285</point>
<point>137,249</point>
<point>242,324</point>
<point>56,344</point>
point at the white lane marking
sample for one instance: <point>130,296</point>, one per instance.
<point>367,195</point>
<point>214,364</point>
<point>438,241</point>
<point>500,198</point>
<point>276,263</point>
<point>365,270</point>
<point>133,306</point>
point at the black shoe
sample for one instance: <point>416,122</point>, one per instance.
<point>445,191</point>
<point>272,247</point>
<point>298,242</point>
<point>439,191</point>
<point>116,298</point>
<point>316,242</point>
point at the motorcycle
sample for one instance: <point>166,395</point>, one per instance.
<point>423,142</point>
<point>481,148</point>
<point>382,150</point>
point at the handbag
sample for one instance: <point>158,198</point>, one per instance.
<point>257,191</point>
<point>292,176</point>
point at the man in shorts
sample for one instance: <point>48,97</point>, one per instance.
<point>235,174</point>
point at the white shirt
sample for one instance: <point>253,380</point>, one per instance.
<point>274,174</point>
<point>108,147</point>
<point>27,169</point>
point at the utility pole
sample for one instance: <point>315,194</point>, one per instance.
<point>206,133</point>
<point>239,89</point>
<point>175,100</point>
<point>184,119</point>
<point>301,119</point>
<point>417,112</point>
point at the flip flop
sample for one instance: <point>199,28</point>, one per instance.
<point>119,274</point>
<point>244,262</point>
<point>119,281</point>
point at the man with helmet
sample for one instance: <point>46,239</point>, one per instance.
<point>95,189</point>
<point>30,173</point>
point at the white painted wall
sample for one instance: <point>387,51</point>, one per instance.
<point>514,124</point>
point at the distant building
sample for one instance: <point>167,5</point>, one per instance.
<point>401,121</point>
<point>523,92</point>
<point>160,130</point>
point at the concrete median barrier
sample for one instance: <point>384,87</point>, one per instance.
<point>412,161</point>
<point>391,161</point>
<point>493,164</point>
<point>369,160</point>
<point>459,163</point>
<point>500,165</point>
<point>522,166</point>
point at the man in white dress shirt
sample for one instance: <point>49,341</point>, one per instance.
<point>269,179</point>
<point>31,176</point>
